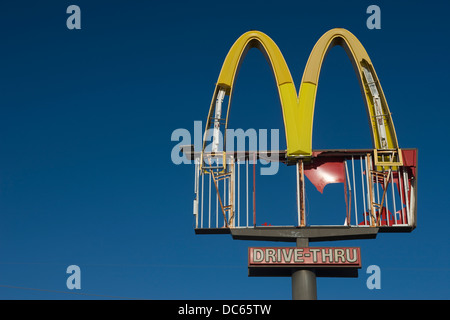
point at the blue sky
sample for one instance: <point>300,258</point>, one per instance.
<point>86,118</point>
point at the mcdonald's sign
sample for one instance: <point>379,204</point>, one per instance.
<point>298,109</point>
<point>385,174</point>
<point>383,167</point>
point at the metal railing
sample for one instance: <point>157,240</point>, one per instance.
<point>376,195</point>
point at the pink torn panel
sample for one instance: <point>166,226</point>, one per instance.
<point>324,171</point>
<point>410,160</point>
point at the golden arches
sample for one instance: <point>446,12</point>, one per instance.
<point>298,110</point>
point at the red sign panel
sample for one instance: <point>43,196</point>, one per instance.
<point>308,257</point>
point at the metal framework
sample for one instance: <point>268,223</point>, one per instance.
<point>382,198</point>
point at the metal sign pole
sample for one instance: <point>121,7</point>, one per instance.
<point>304,286</point>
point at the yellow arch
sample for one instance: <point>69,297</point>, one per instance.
<point>282,75</point>
<point>360,60</point>
<point>298,110</point>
